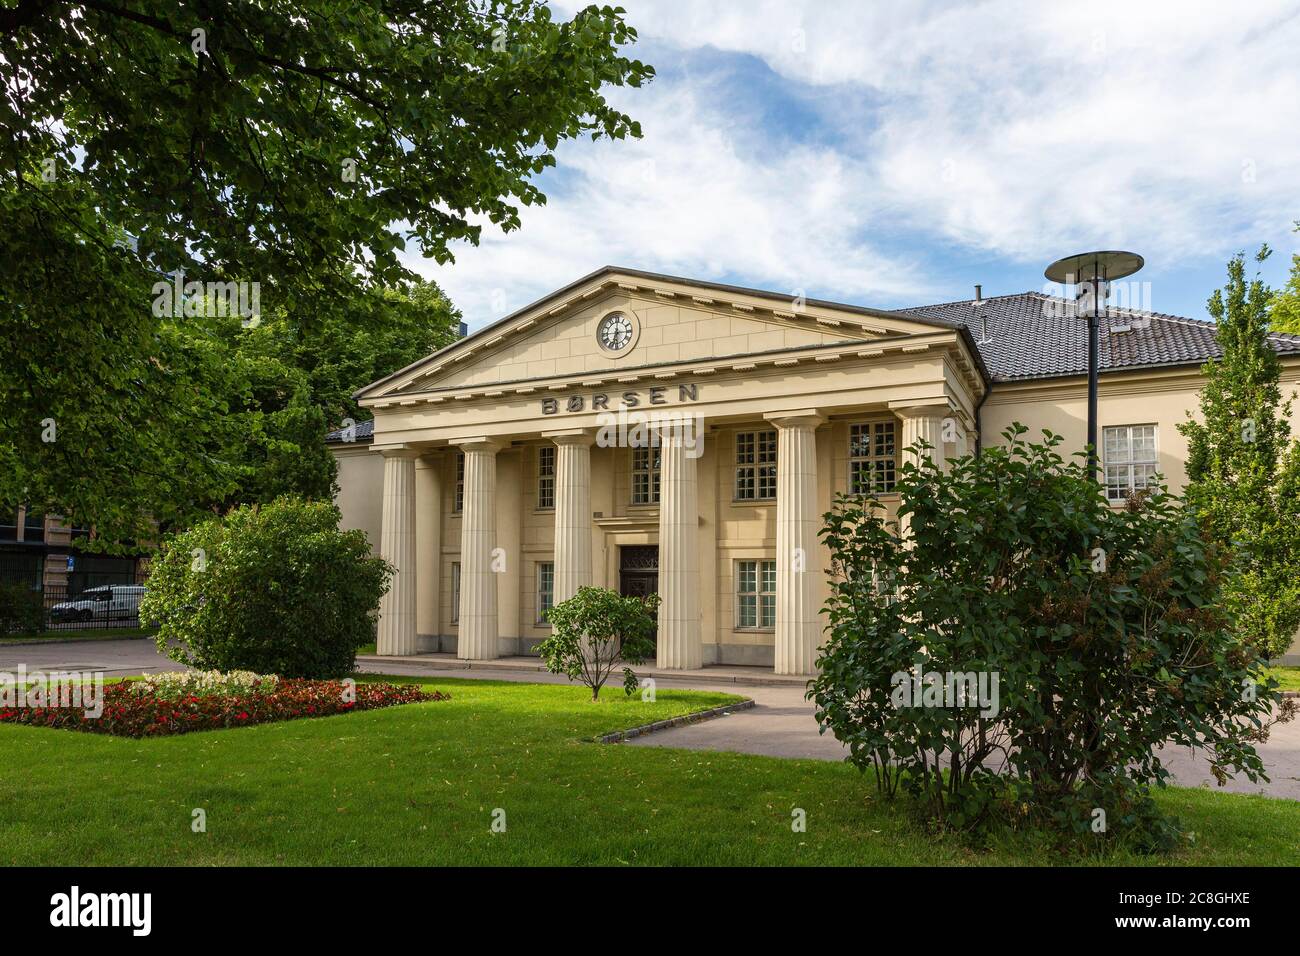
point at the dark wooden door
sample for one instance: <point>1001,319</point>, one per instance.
<point>638,573</point>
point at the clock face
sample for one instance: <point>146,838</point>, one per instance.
<point>615,332</point>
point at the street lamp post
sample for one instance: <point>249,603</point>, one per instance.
<point>1095,270</point>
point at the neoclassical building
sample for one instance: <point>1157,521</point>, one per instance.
<point>648,433</point>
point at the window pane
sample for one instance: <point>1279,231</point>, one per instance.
<point>748,610</point>
<point>545,588</point>
<point>455,592</point>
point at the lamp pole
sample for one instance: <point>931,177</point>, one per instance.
<point>1097,269</point>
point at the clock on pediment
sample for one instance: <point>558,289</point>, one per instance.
<point>616,332</point>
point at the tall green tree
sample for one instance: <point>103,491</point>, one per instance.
<point>301,147</point>
<point>1284,310</point>
<point>1243,468</point>
<point>344,350</point>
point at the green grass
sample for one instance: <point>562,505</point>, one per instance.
<point>92,634</point>
<point>1288,677</point>
<point>418,785</point>
<point>367,648</point>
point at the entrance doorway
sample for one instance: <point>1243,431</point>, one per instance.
<point>638,570</point>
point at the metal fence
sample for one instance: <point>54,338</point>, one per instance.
<point>60,607</point>
<point>108,605</point>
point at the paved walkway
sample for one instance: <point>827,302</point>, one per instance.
<point>781,723</point>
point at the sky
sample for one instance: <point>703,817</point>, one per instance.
<point>891,154</point>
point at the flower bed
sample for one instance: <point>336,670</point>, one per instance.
<point>155,708</point>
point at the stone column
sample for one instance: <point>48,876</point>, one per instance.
<point>798,550</point>
<point>428,537</point>
<point>510,522</point>
<point>572,512</point>
<point>397,546</point>
<point>680,641</point>
<point>477,638</point>
<point>922,422</point>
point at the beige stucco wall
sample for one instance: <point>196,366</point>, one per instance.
<point>1162,397</point>
<point>361,484</point>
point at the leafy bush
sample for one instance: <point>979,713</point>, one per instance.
<point>21,609</point>
<point>1098,634</point>
<point>276,589</point>
<point>595,629</point>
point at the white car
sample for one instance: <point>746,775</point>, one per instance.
<point>106,602</point>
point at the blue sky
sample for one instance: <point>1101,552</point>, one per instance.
<point>892,154</point>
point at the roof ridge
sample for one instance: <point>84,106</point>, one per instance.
<point>941,305</point>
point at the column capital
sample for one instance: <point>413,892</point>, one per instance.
<point>480,443</point>
<point>572,436</point>
<point>398,451</point>
<point>935,410</point>
<point>797,418</point>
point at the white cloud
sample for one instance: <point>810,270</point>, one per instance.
<point>699,195</point>
<point>1024,130</point>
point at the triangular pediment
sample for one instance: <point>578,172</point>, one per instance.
<point>668,321</point>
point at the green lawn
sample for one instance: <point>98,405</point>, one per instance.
<point>1288,677</point>
<point>418,785</point>
<point>91,634</point>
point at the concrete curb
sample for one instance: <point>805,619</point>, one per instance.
<point>489,667</point>
<point>619,736</point>
<point>44,641</point>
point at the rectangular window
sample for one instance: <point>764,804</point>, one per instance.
<point>545,589</point>
<point>459,504</point>
<point>1129,459</point>
<point>455,592</point>
<point>545,477</point>
<point>33,526</point>
<point>756,594</point>
<point>873,457</point>
<point>755,466</point>
<point>646,464</point>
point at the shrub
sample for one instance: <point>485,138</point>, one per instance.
<point>595,629</point>
<point>21,609</point>
<point>275,589</point>
<point>130,712</point>
<point>1098,632</point>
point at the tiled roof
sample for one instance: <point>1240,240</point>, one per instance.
<point>365,432</point>
<point>1033,335</point>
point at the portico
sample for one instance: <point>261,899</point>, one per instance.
<point>698,431</point>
